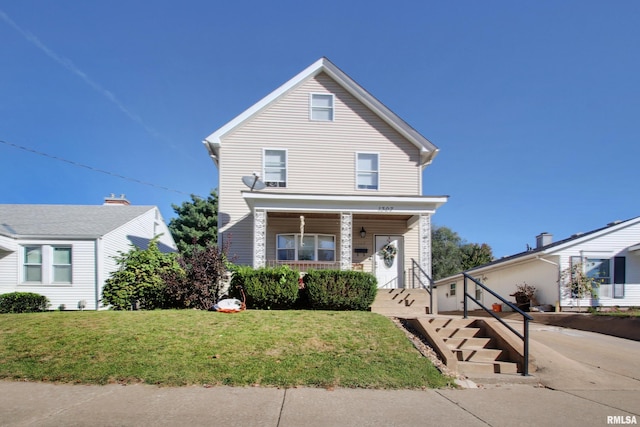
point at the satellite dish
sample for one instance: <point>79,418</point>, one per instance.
<point>253,182</point>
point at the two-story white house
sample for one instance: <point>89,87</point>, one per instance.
<point>320,174</point>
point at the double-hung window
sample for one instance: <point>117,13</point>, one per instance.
<point>61,264</point>
<point>47,264</point>
<point>312,247</point>
<point>321,107</point>
<point>275,168</point>
<point>367,171</point>
<point>33,264</point>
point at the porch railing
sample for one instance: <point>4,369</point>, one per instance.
<point>526,318</point>
<point>305,265</point>
<point>420,279</point>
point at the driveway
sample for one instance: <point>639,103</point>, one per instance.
<point>570,359</point>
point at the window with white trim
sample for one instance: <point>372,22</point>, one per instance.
<point>321,107</point>
<point>33,264</point>
<point>452,289</point>
<point>312,247</point>
<point>61,264</point>
<point>275,168</point>
<point>598,269</point>
<point>47,264</point>
<point>367,171</point>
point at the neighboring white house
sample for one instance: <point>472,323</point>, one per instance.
<point>65,252</point>
<point>611,254</point>
<point>339,178</point>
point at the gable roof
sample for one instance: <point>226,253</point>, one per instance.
<point>427,149</point>
<point>64,221</point>
<point>555,246</point>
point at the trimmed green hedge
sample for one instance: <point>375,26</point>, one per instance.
<point>340,290</point>
<point>23,302</point>
<point>266,288</point>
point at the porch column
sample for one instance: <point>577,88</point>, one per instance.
<point>425,243</point>
<point>259,238</point>
<point>346,234</point>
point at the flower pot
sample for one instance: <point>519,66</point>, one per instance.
<point>497,308</point>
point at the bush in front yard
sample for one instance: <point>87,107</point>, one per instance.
<point>266,288</point>
<point>139,280</point>
<point>23,302</point>
<point>340,290</point>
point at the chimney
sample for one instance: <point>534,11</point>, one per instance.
<point>543,239</point>
<point>113,200</point>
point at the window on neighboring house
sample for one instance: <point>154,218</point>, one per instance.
<point>367,167</point>
<point>275,168</point>
<point>452,289</point>
<point>599,270</point>
<point>479,293</point>
<point>321,107</point>
<point>313,247</point>
<point>61,264</point>
<point>33,264</point>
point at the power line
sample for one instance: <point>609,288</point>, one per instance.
<point>91,168</point>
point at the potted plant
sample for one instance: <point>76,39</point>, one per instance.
<point>524,294</point>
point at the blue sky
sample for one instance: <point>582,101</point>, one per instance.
<point>535,106</point>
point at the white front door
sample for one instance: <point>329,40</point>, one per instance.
<point>389,261</point>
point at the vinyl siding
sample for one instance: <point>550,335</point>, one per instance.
<point>82,286</point>
<point>9,262</point>
<point>321,155</point>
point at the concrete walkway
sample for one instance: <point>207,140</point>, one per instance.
<point>594,380</point>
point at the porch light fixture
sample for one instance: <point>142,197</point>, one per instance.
<point>363,233</point>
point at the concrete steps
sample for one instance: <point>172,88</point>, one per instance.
<point>401,302</point>
<point>473,347</point>
<point>475,351</point>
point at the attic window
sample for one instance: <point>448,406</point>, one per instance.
<point>321,108</point>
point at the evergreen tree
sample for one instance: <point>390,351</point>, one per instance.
<point>196,223</point>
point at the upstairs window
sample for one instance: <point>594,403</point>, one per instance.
<point>33,264</point>
<point>275,168</point>
<point>367,166</point>
<point>321,107</point>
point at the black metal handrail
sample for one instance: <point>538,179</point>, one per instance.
<point>526,318</point>
<point>414,276</point>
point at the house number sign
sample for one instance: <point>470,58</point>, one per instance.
<point>385,208</point>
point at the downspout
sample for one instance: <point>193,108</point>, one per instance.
<point>97,273</point>
<point>559,277</point>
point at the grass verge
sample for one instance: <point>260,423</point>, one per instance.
<point>618,313</point>
<point>175,348</point>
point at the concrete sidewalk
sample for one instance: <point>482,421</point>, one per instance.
<point>34,404</point>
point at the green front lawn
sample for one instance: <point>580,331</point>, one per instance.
<point>173,348</point>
